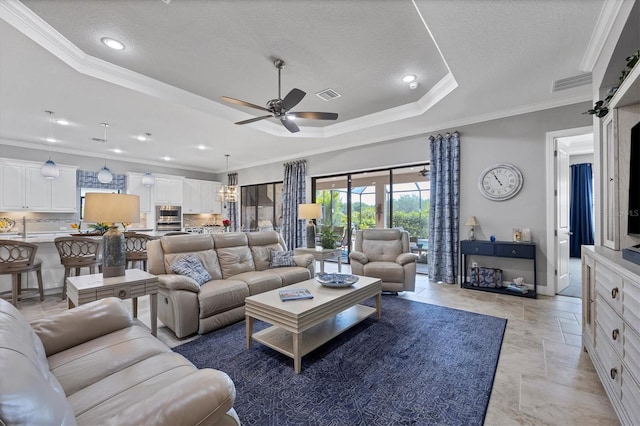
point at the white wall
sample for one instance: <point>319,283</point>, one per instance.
<point>582,158</point>
<point>519,140</point>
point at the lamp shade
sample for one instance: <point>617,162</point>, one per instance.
<point>472,221</point>
<point>50,170</point>
<point>105,175</point>
<point>103,207</point>
<point>148,180</point>
<point>309,211</point>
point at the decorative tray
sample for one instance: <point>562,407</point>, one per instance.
<point>6,224</point>
<point>337,280</point>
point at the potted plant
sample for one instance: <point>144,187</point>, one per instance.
<point>328,238</point>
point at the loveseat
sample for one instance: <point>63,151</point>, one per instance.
<point>93,365</point>
<point>239,265</point>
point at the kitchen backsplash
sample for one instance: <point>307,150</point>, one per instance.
<point>53,222</point>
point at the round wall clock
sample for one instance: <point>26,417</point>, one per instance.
<point>500,182</point>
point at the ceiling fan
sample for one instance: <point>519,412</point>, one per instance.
<point>281,108</point>
<point>424,172</point>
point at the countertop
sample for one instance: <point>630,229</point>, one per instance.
<point>48,237</point>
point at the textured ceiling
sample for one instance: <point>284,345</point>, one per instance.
<point>474,60</point>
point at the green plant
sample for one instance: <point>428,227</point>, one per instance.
<point>328,238</point>
<point>100,227</point>
<point>601,108</point>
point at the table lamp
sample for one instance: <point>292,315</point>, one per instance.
<point>310,212</point>
<point>113,208</point>
<point>472,222</point>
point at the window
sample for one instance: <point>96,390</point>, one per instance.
<point>261,207</point>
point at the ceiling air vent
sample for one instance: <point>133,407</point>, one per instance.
<point>328,94</point>
<point>571,82</point>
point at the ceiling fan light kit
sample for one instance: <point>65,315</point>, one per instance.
<point>280,108</point>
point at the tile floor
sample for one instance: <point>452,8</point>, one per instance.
<point>543,376</point>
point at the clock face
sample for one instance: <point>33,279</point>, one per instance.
<point>500,182</point>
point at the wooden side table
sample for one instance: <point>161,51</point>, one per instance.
<point>321,255</point>
<point>133,284</point>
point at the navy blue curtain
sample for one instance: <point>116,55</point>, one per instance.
<point>445,207</point>
<point>581,208</point>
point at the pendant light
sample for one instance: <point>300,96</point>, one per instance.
<point>105,175</point>
<point>228,193</point>
<point>148,180</point>
<point>49,169</point>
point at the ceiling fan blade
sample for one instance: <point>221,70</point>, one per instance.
<point>251,120</point>
<point>290,125</point>
<point>292,99</point>
<point>243,103</point>
<point>316,115</point>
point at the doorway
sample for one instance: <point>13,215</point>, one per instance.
<point>565,149</point>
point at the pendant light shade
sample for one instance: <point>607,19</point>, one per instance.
<point>148,180</point>
<point>49,170</point>
<point>105,175</point>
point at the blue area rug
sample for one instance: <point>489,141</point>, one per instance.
<point>419,365</point>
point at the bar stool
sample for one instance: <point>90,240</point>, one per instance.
<point>16,258</point>
<point>76,253</point>
<point>136,249</point>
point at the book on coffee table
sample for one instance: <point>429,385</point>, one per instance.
<point>295,294</point>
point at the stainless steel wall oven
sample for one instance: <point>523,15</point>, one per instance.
<point>168,218</point>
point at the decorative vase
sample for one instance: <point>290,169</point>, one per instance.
<point>226,229</point>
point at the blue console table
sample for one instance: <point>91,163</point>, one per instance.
<point>506,249</point>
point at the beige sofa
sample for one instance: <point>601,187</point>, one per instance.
<point>239,266</point>
<point>92,365</point>
<point>385,254</point>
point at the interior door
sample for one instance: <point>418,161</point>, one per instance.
<point>562,208</point>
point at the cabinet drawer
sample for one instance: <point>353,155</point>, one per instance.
<point>631,357</point>
<point>609,285</point>
<point>631,398</point>
<point>515,250</point>
<point>482,249</point>
<point>123,292</point>
<point>631,303</point>
<point>611,323</point>
<point>612,366</point>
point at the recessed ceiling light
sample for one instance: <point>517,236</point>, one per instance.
<point>114,44</point>
<point>409,78</point>
<point>117,150</point>
<point>50,139</point>
<point>202,147</point>
<point>166,158</point>
<point>144,138</point>
<point>62,122</point>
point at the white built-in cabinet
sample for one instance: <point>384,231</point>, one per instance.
<point>201,196</point>
<point>611,326</point>
<point>168,190</point>
<point>135,187</point>
<point>23,188</point>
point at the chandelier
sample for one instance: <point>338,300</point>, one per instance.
<point>228,193</point>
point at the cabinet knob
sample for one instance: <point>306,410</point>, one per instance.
<point>614,334</point>
<point>514,252</point>
<point>613,373</point>
<point>122,294</point>
<point>614,292</point>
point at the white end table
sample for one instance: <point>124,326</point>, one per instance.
<point>321,255</point>
<point>133,284</point>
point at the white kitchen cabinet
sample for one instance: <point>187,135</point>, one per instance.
<point>64,194</point>
<point>201,196</point>
<point>135,187</point>
<point>168,190</point>
<point>23,188</point>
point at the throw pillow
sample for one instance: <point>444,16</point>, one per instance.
<point>191,267</point>
<point>281,258</point>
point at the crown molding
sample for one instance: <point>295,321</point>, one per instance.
<point>606,21</point>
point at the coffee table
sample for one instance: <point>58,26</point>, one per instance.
<point>300,326</point>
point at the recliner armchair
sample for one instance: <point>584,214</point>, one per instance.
<point>385,254</point>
